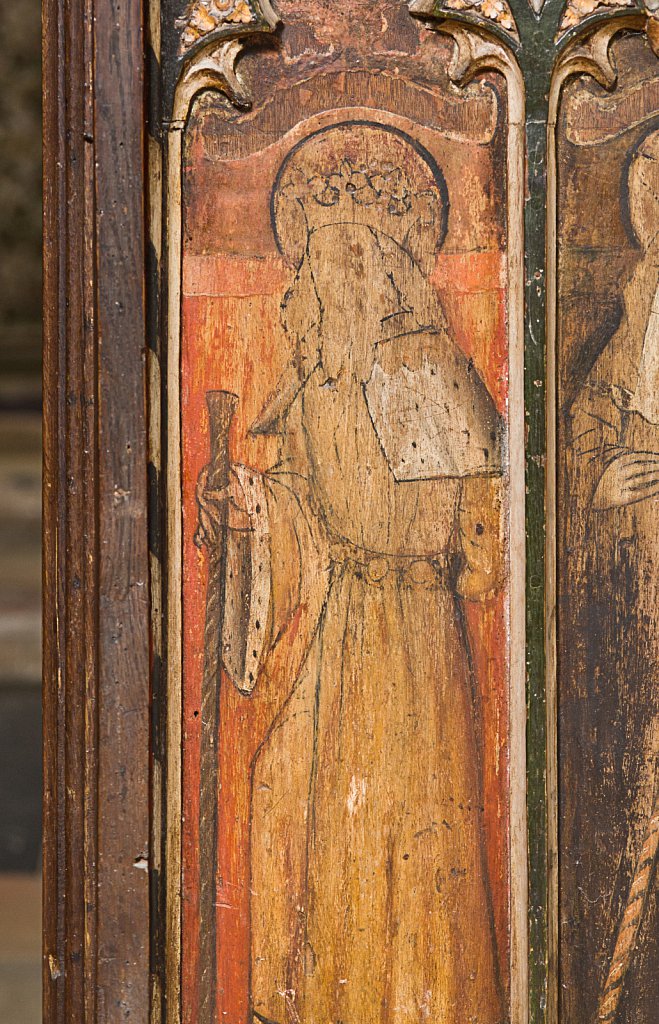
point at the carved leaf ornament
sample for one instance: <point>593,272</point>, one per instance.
<point>497,11</point>
<point>202,17</point>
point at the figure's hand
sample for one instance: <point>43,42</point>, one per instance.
<point>217,509</point>
<point>631,477</point>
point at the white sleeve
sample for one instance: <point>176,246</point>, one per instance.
<point>248,586</point>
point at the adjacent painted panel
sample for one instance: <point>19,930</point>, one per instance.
<point>608,553</point>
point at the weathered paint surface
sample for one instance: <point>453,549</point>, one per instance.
<point>608,568</point>
<point>349,834</point>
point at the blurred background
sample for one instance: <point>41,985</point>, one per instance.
<point>20,512</point>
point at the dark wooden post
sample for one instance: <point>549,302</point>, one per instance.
<point>96,668</point>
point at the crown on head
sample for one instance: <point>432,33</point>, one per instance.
<point>381,196</point>
<point>360,173</point>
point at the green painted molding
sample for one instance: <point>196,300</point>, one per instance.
<point>541,40</point>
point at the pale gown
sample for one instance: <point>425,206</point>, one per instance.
<point>369,896</point>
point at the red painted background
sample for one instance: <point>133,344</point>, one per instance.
<point>233,283</point>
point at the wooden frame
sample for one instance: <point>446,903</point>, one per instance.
<point>112,98</point>
<point>96,608</point>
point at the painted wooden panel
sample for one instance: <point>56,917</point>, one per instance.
<point>344,464</point>
<point>372,352</point>
<point>608,565</point>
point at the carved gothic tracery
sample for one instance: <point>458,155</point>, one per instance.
<point>204,17</point>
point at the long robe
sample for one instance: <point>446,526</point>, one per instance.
<point>609,674</point>
<point>370,900</point>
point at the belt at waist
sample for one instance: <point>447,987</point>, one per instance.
<point>376,567</point>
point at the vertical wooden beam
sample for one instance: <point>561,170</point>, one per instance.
<point>69,567</point>
<point>96,688</point>
<point>120,124</point>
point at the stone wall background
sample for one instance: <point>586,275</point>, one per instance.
<point>20,186</point>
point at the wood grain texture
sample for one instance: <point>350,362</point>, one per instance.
<point>607,555</point>
<point>365,58</point>
<point>234,280</point>
<point>96,670</point>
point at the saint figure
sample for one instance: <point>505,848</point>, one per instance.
<point>610,661</point>
<point>349,565</point>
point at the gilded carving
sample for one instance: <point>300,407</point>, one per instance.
<point>204,17</point>
<point>577,10</point>
<point>496,12</point>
